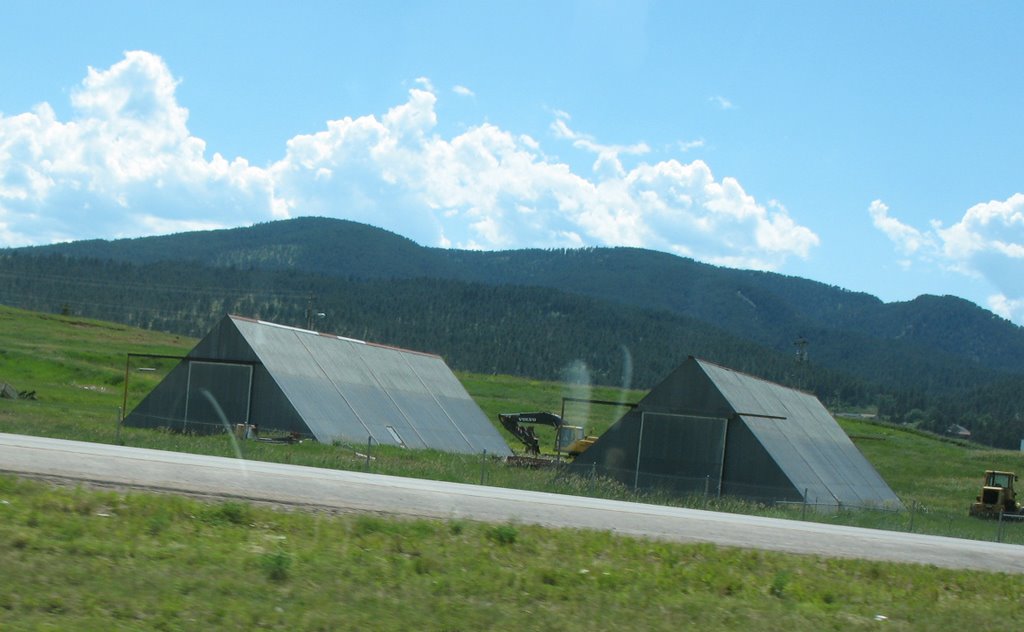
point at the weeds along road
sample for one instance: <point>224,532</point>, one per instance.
<point>308,487</point>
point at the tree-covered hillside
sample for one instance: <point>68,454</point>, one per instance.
<point>516,330</point>
<point>770,309</point>
<point>628,315</point>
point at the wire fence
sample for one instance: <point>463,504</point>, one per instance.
<point>241,430</point>
<point>561,475</point>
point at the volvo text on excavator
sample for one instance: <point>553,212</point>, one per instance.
<point>571,440</point>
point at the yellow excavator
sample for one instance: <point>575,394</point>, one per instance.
<point>570,440</point>
<point>997,496</point>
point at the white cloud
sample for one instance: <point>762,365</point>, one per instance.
<point>996,226</point>
<point>463,91</point>
<point>607,162</point>
<point>560,114</point>
<point>907,238</point>
<point>424,82</point>
<point>722,102</point>
<point>685,146</point>
<point>127,165</point>
<point>1010,309</point>
<point>987,243</point>
<point>126,158</point>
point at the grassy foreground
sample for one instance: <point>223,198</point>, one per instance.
<point>72,558</point>
<point>88,560</point>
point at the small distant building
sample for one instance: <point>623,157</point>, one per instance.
<point>958,431</point>
<point>331,388</point>
<point>707,429</point>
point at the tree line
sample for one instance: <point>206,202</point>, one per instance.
<point>523,330</point>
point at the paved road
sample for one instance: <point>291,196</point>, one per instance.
<point>356,491</point>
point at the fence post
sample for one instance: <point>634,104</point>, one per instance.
<point>483,466</point>
<point>707,487</point>
<point>999,533</point>
<point>120,419</point>
<point>369,443</point>
<point>913,510</point>
<point>639,447</point>
<point>803,510</point>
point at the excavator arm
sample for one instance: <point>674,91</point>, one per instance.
<point>513,422</point>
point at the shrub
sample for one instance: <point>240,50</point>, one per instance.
<point>276,565</point>
<point>229,512</point>
<point>503,534</point>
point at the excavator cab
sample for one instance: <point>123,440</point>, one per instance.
<point>572,440</point>
<point>997,495</point>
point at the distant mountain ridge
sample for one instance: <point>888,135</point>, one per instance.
<point>625,316</point>
<point>767,308</point>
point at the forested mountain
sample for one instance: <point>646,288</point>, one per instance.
<point>771,309</point>
<point>629,315</point>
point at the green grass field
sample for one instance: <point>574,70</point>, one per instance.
<point>87,560</point>
<point>74,558</point>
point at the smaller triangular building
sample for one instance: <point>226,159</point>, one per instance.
<point>331,388</point>
<point>707,429</point>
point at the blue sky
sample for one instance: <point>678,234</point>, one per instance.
<point>870,145</point>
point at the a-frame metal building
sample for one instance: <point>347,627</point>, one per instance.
<point>322,386</point>
<point>710,429</point>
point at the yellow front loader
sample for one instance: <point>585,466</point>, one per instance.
<point>997,496</point>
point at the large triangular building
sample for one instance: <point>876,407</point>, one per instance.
<point>322,386</point>
<point>707,429</point>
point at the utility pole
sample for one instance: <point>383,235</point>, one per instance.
<point>311,314</point>
<point>801,359</point>
<point>801,350</point>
